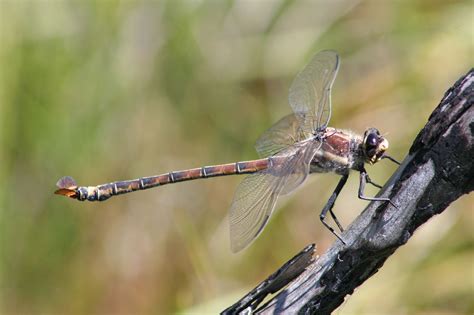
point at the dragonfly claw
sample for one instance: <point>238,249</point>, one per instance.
<point>67,187</point>
<point>71,193</point>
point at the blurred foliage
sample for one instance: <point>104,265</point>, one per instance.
<point>114,90</point>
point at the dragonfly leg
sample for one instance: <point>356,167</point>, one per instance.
<point>330,204</point>
<point>369,181</point>
<point>336,220</point>
<point>364,178</point>
<point>390,158</point>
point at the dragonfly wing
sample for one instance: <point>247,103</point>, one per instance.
<point>281,135</point>
<point>296,165</point>
<point>251,208</point>
<point>310,92</point>
<point>257,194</point>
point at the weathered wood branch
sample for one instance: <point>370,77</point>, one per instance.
<point>438,170</point>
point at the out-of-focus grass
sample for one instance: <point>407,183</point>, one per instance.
<point>114,90</point>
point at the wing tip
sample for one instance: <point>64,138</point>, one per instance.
<point>237,247</point>
<point>333,54</point>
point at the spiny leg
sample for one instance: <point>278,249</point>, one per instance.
<point>330,204</point>
<point>391,159</point>
<point>364,178</point>
<point>339,225</point>
<point>369,181</point>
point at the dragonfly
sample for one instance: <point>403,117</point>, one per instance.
<point>297,145</point>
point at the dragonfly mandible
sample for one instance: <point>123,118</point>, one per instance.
<point>297,145</point>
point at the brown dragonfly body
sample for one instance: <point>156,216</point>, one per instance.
<point>298,144</point>
<point>105,191</point>
<point>341,150</point>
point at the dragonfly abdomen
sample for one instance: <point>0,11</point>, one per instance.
<point>69,188</point>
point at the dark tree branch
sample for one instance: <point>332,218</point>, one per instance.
<point>288,272</point>
<point>437,171</point>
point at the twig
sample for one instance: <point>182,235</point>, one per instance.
<point>288,272</point>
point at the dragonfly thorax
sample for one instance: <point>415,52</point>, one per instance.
<point>342,150</point>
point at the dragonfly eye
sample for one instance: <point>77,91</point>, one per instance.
<point>371,141</point>
<point>374,145</point>
<point>371,138</point>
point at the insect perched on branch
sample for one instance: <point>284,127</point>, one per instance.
<point>297,145</point>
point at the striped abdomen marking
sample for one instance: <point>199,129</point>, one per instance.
<point>105,191</point>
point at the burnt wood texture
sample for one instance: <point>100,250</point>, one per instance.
<point>437,171</point>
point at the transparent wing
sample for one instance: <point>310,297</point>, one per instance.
<point>257,194</point>
<point>281,135</point>
<point>251,208</point>
<point>310,93</point>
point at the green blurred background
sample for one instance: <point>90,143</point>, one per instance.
<point>113,90</point>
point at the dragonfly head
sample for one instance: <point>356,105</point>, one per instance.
<point>374,146</point>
